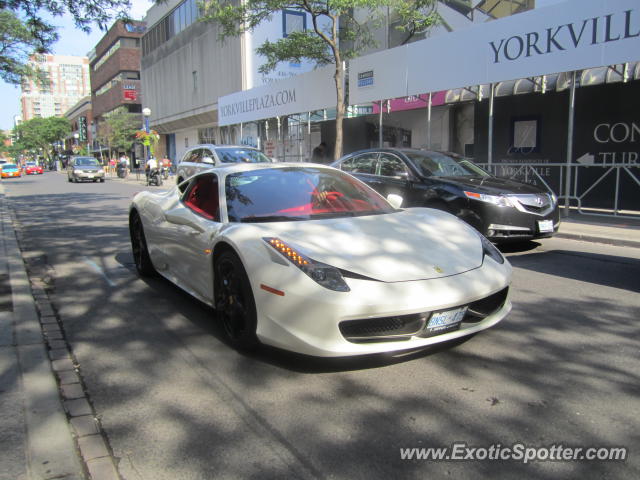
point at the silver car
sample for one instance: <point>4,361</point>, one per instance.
<point>203,157</point>
<point>80,169</point>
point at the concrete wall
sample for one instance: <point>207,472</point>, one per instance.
<point>175,99</point>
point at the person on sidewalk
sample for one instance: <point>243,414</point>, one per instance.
<point>319,154</point>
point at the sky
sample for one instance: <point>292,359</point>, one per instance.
<point>72,42</point>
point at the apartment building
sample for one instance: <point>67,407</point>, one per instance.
<point>63,81</point>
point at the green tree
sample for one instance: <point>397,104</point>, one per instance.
<point>4,149</point>
<point>118,130</point>
<point>38,134</point>
<point>336,33</point>
<point>24,31</point>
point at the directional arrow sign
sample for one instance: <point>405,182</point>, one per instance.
<point>586,159</point>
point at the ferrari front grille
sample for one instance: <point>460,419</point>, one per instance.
<point>400,327</point>
<point>481,309</point>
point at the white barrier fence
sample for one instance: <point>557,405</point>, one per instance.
<point>605,190</point>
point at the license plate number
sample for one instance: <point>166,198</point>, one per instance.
<point>545,226</point>
<point>445,321</point>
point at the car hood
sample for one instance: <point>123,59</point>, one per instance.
<point>413,244</point>
<point>492,185</point>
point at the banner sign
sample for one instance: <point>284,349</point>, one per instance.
<point>303,93</point>
<point>572,35</point>
<point>412,102</point>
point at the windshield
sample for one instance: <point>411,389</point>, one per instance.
<point>440,165</point>
<point>32,164</point>
<point>296,193</point>
<point>9,166</point>
<point>85,162</point>
<point>241,155</point>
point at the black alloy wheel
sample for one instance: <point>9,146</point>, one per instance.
<point>141,257</point>
<point>235,304</point>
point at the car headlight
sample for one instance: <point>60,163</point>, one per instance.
<point>101,171</point>
<point>490,250</point>
<point>498,200</point>
<point>321,273</point>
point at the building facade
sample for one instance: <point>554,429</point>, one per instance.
<point>80,117</point>
<point>115,76</point>
<point>186,68</point>
<point>64,80</point>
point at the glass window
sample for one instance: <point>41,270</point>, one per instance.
<point>194,156</point>
<point>206,153</point>
<point>241,155</point>
<point>392,166</point>
<point>298,193</point>
<point>293,21</point>
<point>85,162</point>
<point>441,165</point>
<point>365,163</point>
<point>194,9</point>
<point>176,21</point>
<point>183,16</point>
<point>188,12</point>
<point>202,197</point>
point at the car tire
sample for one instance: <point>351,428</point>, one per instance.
<point>69,180</point>
<point>235,305</point>
<point>141,257</point>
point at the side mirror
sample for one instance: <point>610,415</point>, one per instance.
<point>395,200</point>
<point>208,160</point>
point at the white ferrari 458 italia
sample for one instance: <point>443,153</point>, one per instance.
<point>307,258</point>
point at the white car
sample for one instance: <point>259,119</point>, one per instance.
<point>203,157</point>
<point>308,258</point>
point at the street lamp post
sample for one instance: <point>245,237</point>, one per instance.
<point>146,113</point>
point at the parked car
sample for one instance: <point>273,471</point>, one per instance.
<point>32,168</point>
<point>307,258</point>
<point>80,169</point>
<point>501,209</point>
<point>203,157</point>
<point>10,170</point>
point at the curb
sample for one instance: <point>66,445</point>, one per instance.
<point>617,242</point>
<point>74,445</point>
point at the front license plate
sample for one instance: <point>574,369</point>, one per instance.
<point>545,226</point>
<point>445,321</point>
<point>89,176</point>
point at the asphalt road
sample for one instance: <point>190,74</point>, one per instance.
<point>176,402</point>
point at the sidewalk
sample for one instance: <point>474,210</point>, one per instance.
<point>622,232</point>
<point>49,429</point>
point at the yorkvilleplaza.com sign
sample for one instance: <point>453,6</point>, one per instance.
<point>572,35</point>
<point>263,102</point>
<point>303,93</point>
